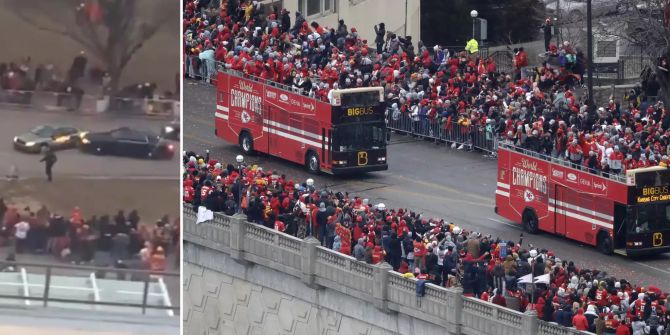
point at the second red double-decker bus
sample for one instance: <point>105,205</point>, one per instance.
<point>344,136</point>
<point>626,214</point>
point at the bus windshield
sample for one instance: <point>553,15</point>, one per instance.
<point>650,218</point>
<point>358,136</point>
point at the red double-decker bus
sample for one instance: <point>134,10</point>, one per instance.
<point>345,136</point>
<point>625,214</point>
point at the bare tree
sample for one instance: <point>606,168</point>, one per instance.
<point>642,25</point>
<point>110,30</point>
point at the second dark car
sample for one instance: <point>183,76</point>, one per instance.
<point>127,142</point>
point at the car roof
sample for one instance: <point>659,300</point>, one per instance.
<point>133,131</point>
<point>56,125</point>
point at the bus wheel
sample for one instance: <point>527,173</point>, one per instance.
<point>312,162</point>
<point>605,244</point>
<point>246,143</point>
<point>530,223</point>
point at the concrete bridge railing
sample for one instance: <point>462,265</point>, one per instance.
<point>377,284</point>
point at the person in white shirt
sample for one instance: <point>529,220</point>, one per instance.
<point>21,233</point>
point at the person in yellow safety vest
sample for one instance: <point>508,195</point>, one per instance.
<point>472,47</point>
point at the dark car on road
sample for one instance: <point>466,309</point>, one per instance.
<point>127,142</point>
<point>57,137</point>
<point>171,131</point>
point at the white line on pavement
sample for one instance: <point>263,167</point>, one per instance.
<point>503,222</point>
<point>653,268</point>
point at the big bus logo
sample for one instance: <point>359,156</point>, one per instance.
<point>359,111</point>
<point>657,239</point>
<point>362,158</point>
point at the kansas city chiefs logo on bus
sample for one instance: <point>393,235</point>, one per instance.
<point>528,196</point>
<point>245,117</point>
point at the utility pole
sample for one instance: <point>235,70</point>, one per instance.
<point>405,18</point>
<point>589,64</point>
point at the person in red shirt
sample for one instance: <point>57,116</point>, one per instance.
<point>499,300</point>
<point>616,160</point>
<point>623,329</point>
<point>419,254</point>
<point>189,191</point>
<point>377,254</point>
<point>579,320</point>
<point>280,226</point>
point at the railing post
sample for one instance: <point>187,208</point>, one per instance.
<point>380,276</point>
<point>237,232</point>
<point>455,313</point>
<point>145,295</point>
<point>47,284</point>
<point>530,322</point>
<point>308,262</point>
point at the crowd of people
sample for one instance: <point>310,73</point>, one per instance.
<point>430,249</point>
<point>540,109</point>
<point>122,240</point>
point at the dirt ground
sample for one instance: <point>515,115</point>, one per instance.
<point>152,198</point>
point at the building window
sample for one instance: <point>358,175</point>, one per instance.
<point>316,7</point>
<point>606,49</point>
<point>313,7</point>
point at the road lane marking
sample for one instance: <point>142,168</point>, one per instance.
<point>503,222</point>
<point>653,268</point>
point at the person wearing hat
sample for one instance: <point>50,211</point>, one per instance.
<point>322,222</point>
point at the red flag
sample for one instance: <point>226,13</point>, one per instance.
<point>666,15</point>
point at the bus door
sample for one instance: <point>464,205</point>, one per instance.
<point>560,220</point>
<point>620,225</point>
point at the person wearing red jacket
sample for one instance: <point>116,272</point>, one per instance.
<point>616,160</point>
<point>623,329</point>
<point>189,191</point>
<point>377,254</point>
<point>579,320</point>
<point>499,300</point>
<point>419,254</point>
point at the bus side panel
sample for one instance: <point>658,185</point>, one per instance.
<point>503,201</point>
<point>223,128</point>
<point>245,99</point>
<point>528,187</point>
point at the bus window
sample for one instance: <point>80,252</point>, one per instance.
<point>651,218</point>
<point>641,224</point>
<point>359,136</point>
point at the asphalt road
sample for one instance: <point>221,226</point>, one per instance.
<point>428,178</point>
<point>73,163</point>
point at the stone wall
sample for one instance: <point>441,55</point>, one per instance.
<point>242,278</point>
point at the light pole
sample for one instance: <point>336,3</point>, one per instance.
<point>589,63</point>
<point>473,14</point>
<point>405,18</point>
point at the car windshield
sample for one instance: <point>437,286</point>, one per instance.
<point>43,131</point>
<point>359,136</point>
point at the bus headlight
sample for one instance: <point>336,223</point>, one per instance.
<point>381,159</point>
<point>339,162</point>
<point>85,140</point>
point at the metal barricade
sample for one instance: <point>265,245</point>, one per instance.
<point>473,137</point>
<point>88,104</point>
